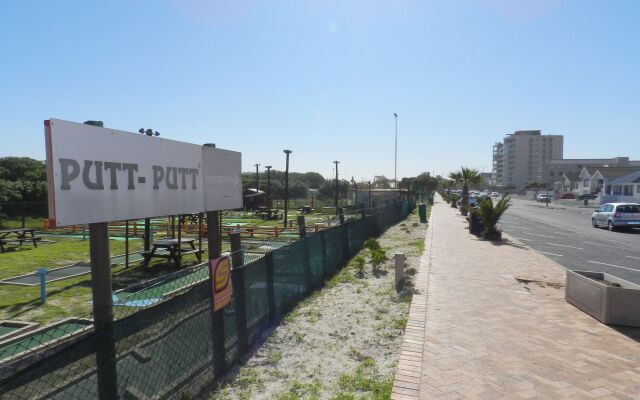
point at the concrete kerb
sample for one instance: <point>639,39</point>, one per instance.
<point>406,384</point>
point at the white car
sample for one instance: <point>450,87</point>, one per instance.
<point>543,197</point>
<point>495,195</point>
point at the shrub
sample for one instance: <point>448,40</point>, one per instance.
<point>358,263</point>
<point>378,257</point>
<point>490,214</point>
<point>371,244</point>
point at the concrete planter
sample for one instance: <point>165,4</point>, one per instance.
<point>610,300</point>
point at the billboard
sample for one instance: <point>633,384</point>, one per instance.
<point>98,174</point>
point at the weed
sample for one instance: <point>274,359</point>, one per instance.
<point>399,323</point>
<point>302,390</point>
<point>358,263</point>
<point>273,358</point>
<point>299,337</point>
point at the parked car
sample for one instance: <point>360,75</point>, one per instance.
<point>544,198</point>
<point>587,196</point>
<point>567,196</point>
<point>617,215</point>
<point>473,202</point>
<point>495,195</point>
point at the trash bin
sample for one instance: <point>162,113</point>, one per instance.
<point>422,211</point>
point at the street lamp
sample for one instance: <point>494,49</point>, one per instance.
<point>257,178</point>
<point>286,187</point>
<point>336,163</point>
<point>395,169</point>
<point>147,221</point>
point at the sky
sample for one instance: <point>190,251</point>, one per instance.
<point>323,78</point>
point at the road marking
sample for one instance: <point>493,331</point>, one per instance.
<point>637,258</point>
<point>516,226</point>
<point>535,234</point>
<point>527,240</point>
<point>613,265</point>
<point>564,245</point>
<point>553,254</point>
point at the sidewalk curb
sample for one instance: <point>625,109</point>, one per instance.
<point>406,383</point>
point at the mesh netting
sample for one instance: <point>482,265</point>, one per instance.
<point>161,344</point>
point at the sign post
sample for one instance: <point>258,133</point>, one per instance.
<point>96,175</point>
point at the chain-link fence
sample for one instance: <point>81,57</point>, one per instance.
<point>161,344</point>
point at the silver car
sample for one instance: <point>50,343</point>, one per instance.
<point>617,215</point>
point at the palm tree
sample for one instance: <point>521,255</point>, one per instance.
<point>490,214</point>
<point>466,177</point>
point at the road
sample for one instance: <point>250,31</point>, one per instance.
<point>564,233</point>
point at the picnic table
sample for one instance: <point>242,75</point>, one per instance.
<point>18,236</point>
<point>174,250</point>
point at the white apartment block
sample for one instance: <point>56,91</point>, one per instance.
<point>525,157</point>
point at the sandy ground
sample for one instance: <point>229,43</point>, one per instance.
<point>343,342</point>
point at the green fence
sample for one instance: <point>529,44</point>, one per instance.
<point>161,346</point>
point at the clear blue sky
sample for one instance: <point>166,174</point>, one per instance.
<point>323,78</point>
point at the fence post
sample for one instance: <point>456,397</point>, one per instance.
<point>346,253</point>
<point>217,317</point>
<point>271,294</point>
<point>302,232</point>
<point>101,293</point>
<point>323,246</point>
<point>42,273</point>
<point>239,295</point>
<point>341,215</point>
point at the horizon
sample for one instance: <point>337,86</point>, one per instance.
<point>324,79</point>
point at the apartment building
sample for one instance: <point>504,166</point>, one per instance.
<point>524,157</point>
<point>498,162</point>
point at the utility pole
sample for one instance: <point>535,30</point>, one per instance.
<point>336,163</point>
<point>395,169</point>
<point>268,167</point>
<point>369,195</point>
<point>286,187</point>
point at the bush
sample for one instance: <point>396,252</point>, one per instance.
<point>490,214</point>
<point>371,244</point>
<point>358,263</point>
<point>378,257</point>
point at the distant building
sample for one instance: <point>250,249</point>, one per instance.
<point>558,168</point>
<point>524,156</point>
<point>498,163</point>
<point>379,197</point>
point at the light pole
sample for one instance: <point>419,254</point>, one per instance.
<point>147,221</point>
<point>395,168</point>
<point>286,187</point>
<point>268,167</point>
<point>336,163</point>
<point>257,178</point>
<point>369,195</point>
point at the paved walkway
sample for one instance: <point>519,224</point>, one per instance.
<point>490,322</point>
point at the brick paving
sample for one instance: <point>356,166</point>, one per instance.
<point>490,322</point>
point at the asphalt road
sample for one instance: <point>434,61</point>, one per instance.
<point>564,234</point>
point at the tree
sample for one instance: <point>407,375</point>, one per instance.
<point>328,190</point>
<point>22,179</point>
<point>466,177</point>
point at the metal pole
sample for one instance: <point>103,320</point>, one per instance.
<point>395,173</point>
<point>126,244</point>
<point>268,167</point>
<point>336,201</point>
<point>286,188</point>
<point>101,292</point>
<point>257,178</point>
<point>147,234</point>
<point>369,194</point>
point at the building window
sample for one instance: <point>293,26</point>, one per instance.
<point>552,173</point>
<point>617,190</point>
<point>638,189</point>
<point>628,190</point>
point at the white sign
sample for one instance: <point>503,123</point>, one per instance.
<point>98,175</point>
